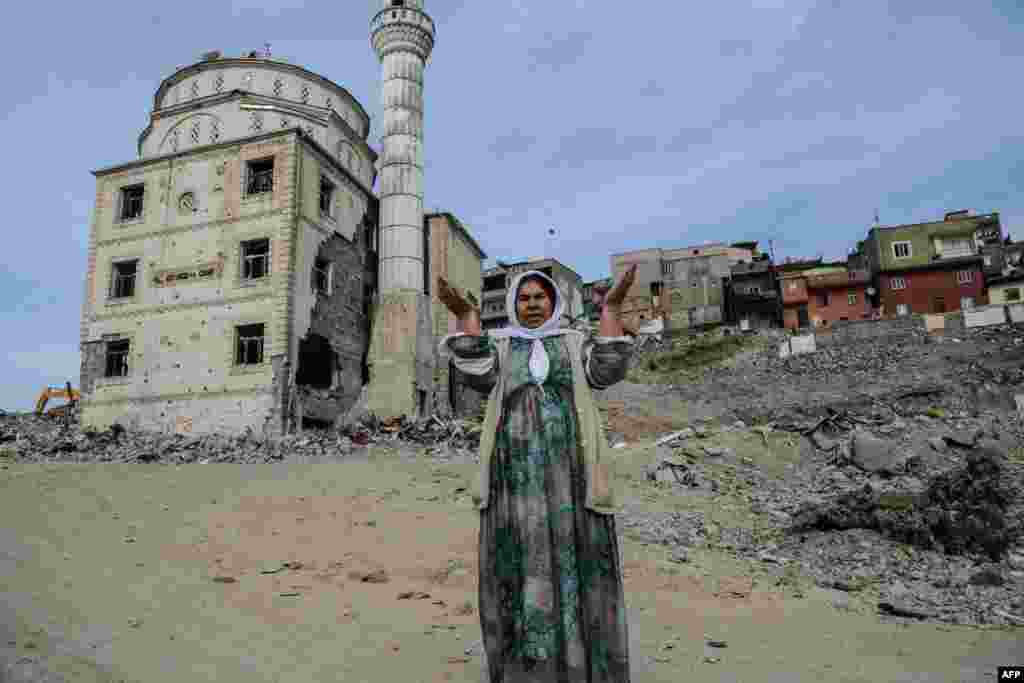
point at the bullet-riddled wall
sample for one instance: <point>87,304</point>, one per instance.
<point>189,295</point>
<point>228,262</point>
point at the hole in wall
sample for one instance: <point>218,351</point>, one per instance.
<point>317,362</point>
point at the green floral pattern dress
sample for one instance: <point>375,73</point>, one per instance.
<point>551,598</point>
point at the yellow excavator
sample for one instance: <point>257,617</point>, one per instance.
<point>65,392</point>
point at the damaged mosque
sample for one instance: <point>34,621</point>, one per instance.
<point>243,273</point>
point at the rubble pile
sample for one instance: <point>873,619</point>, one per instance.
<point>938,538</point>
<point>34,438</point>
<point>958,512</point>
<point>855,359</point>
<point>901,491</point>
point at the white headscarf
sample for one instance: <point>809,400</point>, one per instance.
<point>539,364</point>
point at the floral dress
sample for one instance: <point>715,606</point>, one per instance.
<point>551,598</point>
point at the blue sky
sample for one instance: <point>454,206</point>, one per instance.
<point>621,126</point>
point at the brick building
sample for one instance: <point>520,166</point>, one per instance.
<point>933,267</point>
<point>820,296</point>
<point>932,288</point>
<point>454,255</point>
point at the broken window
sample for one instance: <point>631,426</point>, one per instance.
<point>964,277</point>
<point>898,283</point>
<point>851,298</point>
<point>322,276</point>
<point>117,358</point>
<point>902,309</point>
<point>249,349</point>
<point>824,299</point>
<point>317,363</point>
<point>259,176</point>
<point>326,196</point>
<point>122,284</point>
<point>1013,294</point>
<point>255,258</point>
<point>131,202</point>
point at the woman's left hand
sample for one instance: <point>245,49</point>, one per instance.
<point>617,295</point>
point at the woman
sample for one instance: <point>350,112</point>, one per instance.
<point>551,600</point>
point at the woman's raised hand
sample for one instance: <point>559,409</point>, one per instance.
<point>615,297</point>
<point>466,314</point>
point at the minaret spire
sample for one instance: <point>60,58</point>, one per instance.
<point>401,347</point>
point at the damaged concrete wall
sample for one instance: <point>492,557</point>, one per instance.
<point>331,328</point>
<point>453,258</point>
<point>189,293</point>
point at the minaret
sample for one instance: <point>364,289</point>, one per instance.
<point>401,354</point>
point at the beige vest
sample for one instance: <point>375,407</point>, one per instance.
<point>601,497</point>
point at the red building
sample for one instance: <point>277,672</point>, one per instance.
<point>933,288</point>
<point>821,296</point>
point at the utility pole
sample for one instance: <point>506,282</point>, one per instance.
<point>779,310</point>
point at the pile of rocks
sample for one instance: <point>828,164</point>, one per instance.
<point>939,538</point>
<point>35,438</point>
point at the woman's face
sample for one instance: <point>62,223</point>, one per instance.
<point>533,304</point>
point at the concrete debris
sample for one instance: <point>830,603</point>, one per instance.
<point>39,439</point>
<point>674,436</point>
<point>872,454</point>
<point>961,511</point>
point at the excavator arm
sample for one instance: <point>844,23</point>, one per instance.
<point>71,395</point>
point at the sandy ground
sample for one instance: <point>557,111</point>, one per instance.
<point>107,573</point>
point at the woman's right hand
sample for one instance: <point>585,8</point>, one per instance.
<point>466,314</point>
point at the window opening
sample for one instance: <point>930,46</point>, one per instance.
<point>117,358</point>
<point>249,350</point>
<point>255,258</point>
<point>901,249</point>
<point>260,176</point>
<point>123,284</point>
<point>326,196</point>
<point>132,201</point>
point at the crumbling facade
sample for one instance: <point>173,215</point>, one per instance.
<point>752,298</point>
<point>235,268</point>
<point>232,265</point>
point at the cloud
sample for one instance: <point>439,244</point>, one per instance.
<point>556,52</point>
<point>596,145</point>
<point>513,142</point>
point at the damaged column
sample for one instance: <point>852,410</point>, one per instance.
<point>401,345</point>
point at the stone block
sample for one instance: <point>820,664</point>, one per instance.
<point>988,315</point>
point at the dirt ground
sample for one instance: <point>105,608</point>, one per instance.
<point>109,573</point>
